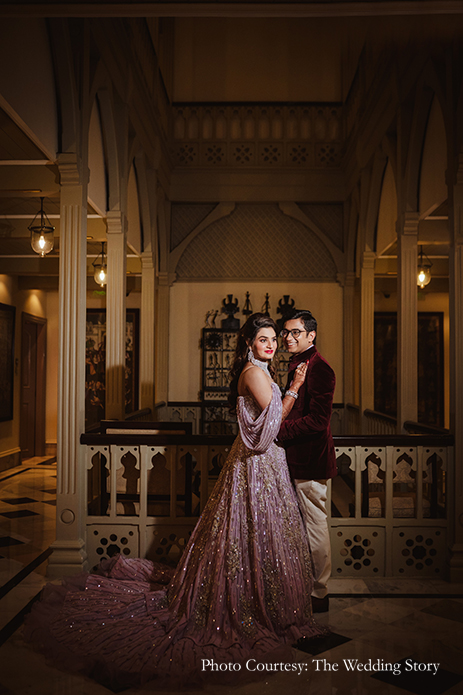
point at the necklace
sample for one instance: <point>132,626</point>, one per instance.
<point>258,363</point>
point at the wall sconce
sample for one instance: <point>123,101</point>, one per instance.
<point>101,273</point>
<point>424,270</point>
<point>42,240</point>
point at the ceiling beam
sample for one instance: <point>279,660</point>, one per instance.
<point>232,9</point>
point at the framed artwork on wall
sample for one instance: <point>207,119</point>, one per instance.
<point>95,359</point>
<point>7,325</point>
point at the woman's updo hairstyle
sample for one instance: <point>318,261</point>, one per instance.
<point>246,337</point>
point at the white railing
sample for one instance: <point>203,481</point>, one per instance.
<point>351,419</point>
<point>388,503</point>
<point>389,506</point>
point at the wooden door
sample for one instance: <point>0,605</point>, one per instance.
<point>32,425</point>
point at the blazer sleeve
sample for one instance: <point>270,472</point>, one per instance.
<point>320,388</point>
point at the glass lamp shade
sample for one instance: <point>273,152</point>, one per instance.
<point>100,274</point>
<point>424,276</point>
<point>42,240</point>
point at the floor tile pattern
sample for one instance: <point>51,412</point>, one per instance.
<point>377,625</point>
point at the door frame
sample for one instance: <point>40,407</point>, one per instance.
<point>41,381</point>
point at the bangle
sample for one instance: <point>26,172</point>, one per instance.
<point>293,394</point>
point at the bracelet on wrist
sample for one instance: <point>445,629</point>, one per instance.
<point>293,394</point>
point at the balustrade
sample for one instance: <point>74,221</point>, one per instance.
<point>379,423</point>
<point>307,135</point>
<point>388,504</point>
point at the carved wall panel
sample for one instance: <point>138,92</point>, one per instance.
<point>259,242</point>
<point>185,217</point>
<point>328,218</point>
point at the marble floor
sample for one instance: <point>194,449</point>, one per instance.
<point>388,636</point>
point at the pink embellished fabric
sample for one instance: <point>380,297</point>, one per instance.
<point>241,591</point>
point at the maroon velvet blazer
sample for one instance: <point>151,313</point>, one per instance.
<point>306,432</point>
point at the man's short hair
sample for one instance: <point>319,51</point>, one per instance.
<point>307,318</point>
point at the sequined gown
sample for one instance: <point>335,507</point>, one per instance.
<point>241,590</point>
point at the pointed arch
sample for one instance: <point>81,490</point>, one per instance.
<point>386,228</point>
<point>432,190</point>
<point>111,147</point>
<point>428,87</point>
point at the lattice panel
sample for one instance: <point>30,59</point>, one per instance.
<point>270,154</point>
<point>166,543</point>
<point>214,154</point>
<point>185,217</point>
<point>419,552</point>
<point>358,552</point>
<point>187,155</point>
<point>243,153</point>
<point>262,243</point>
<point>328,218</point>
<point>104,541</point>
<point>300,154</point>
<point>328,154</point>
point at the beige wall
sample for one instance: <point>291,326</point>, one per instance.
<point>189,303</point>
<point>32,302</point>
<point>235,59</point>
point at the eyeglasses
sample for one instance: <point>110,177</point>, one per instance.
<point>296,332</point>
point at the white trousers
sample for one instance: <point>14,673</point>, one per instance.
<point>312,495</point>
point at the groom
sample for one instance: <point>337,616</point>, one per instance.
<point>306,436</point>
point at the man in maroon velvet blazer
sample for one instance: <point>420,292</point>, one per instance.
<point>306,436</point>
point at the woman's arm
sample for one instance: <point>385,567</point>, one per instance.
<point>256,384</point>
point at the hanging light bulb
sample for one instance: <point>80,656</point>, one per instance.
<point>424,270</point>
<point>101,273</point>
<point>42,240</point>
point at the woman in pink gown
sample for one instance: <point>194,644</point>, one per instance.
<point>240,595</point>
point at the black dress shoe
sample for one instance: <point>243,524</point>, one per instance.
<point>320,605</point>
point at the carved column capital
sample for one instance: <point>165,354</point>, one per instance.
<point>147,261</point>
<point>407,223</point>
<point>166,279</point>
<point>368,260</point>
<point>115,222</point>
<point>70,169</point>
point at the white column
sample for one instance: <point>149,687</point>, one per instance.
<point>407,319</point>
<point>69,554</point>
<point>115,316</point>
<point>148,291</point>
<point>367,317</point>
<point>348,332</point>
<point>456,371</point>
<point>162,338</point>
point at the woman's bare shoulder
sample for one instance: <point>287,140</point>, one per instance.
<point>254,382</point>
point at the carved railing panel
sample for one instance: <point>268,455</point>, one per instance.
<point>260,135</point>
<point>388,504</point>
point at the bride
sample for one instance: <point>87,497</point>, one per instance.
<point>240,596</point>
